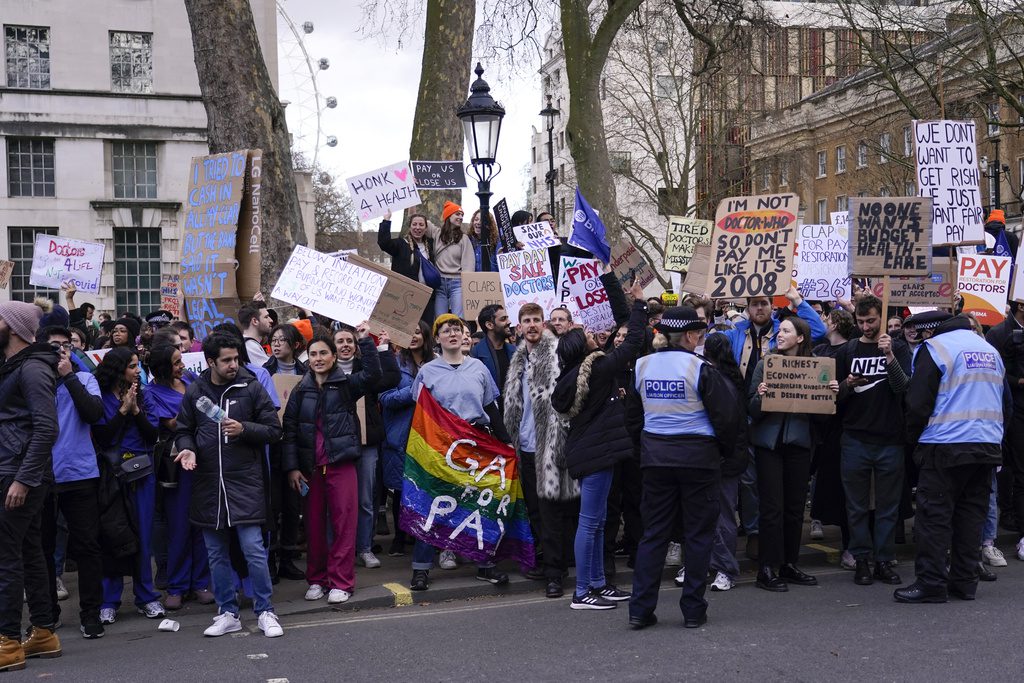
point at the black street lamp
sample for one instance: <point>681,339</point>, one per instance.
<point>481,117</point>
<point>549,113</point>
<point>996,169</point>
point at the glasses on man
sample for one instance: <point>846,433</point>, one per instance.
<point>277,341</point>
<point>61,346</point>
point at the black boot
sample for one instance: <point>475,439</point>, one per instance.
<point>288,570</point>
<point>770,581</point>
<point>862,574</point>
<point>884,573</point>
<point>790,573</point>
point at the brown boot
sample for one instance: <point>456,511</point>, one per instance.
<point>42,642</point>
<point>12,654</point>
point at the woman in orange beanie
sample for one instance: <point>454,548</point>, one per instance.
<point>453,255</point>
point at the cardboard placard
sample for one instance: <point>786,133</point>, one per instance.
<point>57,260</point>
<point>626,259</point>
<point>564,263</point>
<point>480,290</point>
<point>799,384</point>
<point>752,246</point>
<point>6,269</point>
<point>250,228</point>
<point>1017,282</point>
<point>933,291</point>
<point>284,384</point>
<point>536,236</point>
<point>389,188</point>
<point>890,236</point>
<point>439,175</point>
<point>823,265</point>
<point>526,278</point>
<point>329,286</point>
<point>170,294</point>
<point>696,280</point>
<point>946,154</point>
<point>683,235</point>
<point>504,224</point>
<point>587,298</point>
<point>401,303</point>
<point>984,282</point>
<point>361,416</point>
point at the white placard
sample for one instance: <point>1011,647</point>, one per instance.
<point>823,270</point>
<point>526,278</point>
<point>536,235</point>
<point>329,286</point>
<point>194,361</point>
<point>983,281</point>
<point>588,299</point>
<point>840,218</point>
<point>389,188</point>
<point>947,171</point>
<point>57,260</point>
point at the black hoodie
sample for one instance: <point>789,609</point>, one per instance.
<point>28,415</point>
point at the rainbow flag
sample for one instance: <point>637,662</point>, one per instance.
<point>461,489</point>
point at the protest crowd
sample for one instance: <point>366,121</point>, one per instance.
<point>135,450</point>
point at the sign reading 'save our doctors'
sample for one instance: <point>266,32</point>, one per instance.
<point>389,188</point>
<point>57,260</point>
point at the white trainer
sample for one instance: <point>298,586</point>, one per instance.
<point>817,532</point>
<point>447,560</point>
<point>222,624</point>
<point>337,596</point>
<point>721,582</point>
<point>674,556</point>
<point>680,577</point>
<point>314,592</point>
<point>270,626</point>
<point>108,615</point>
<point>62,590</point>
<point>1020,550</point>
<point>992,556</point>
<point>152,610</point>
<point>368,560</point>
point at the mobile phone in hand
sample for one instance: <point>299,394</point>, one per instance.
<point>303,488</point>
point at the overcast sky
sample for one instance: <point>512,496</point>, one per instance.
<point>376,85</point>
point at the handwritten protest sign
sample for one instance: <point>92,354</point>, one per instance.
<point>752,246</point>
<point>588,299</point>
<point>890,236</point>
<point>284,385</point>
<point>480,290</point>
<point>329,286</point>
<point>170,295</point>
<point>823,268</point>
<point>1017,281</point>
<point>504,224</point>
<point>526,278</point>
<point>984,283</point>
<point>401,302</point>
<point>696,279</point>
<point>799,384</point>
<point>564,263</point>
<point>250,228</point>
<point>536,235</point>
<point>57,260</point>
<point>389,188</point>
<point>934,290</point>
<point>439,175</point>
<point>196,362</point>
<point>840,219</point>
<point>684,234</point>
<point>947,173</point>
<point>627,260</point>
<point>6,269</point>
<point>215,188</point>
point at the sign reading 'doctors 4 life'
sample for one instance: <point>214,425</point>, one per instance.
<point>439,175</point>
<point>390,188</point>
<point>752,246</point>
<point>799,384</point>
<point>890,236</point>
<point>984,283</point>
<point>683,235</point>
<point>329,286</point>
<point>947,173</point>
<point>57,260</point>
<point>526,278</point>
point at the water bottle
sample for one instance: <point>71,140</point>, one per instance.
<point>210,409</point>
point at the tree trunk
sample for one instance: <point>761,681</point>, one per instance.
<point>444,85</point>
<point>243,111</point>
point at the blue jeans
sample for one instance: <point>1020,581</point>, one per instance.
<point>218,544</point>
<point>449,297</point>
<point>366,474</point>
<point>860,461</point>
<point>988,535</point>
<point>589,546</point>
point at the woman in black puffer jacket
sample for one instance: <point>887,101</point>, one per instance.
<point>320,449</point>
<point>588,393</point>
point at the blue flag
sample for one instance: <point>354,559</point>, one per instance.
<point>588,230</point>
<point>1003,246</point>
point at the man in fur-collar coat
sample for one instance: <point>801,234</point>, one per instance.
<point>538,435</point>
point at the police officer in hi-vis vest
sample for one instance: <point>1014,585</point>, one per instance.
<point>690,421</point>
<point>957,404</point>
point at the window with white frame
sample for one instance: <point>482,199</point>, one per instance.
<point>27,49</point>
<point>862,154</point>
<point>137,269</point>
<point>668,87</point>
<point>884,148</point>
<point>766,176</point>
<point>842,203</point>
<point>822,211</point>
<point>133,165</point>
<point>131,62</point>
<point>30,167</point>
<point>22,242</point>
<point>621,162</point>
<point>908,141</point>
<point>841,159</point>
<point>910,189</point>
<point>822,164</point>
<point>884,192</point>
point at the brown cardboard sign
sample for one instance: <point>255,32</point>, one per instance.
<point>400,305</point>
<point>285,384</point>
<point>250,228</point>
<point>890,236</point>
<point>480,290</point>
<point>627,259</point>
<point>696,279</point>
<point>6,269</point>
<point>799,384</point>
<point>935,289</point>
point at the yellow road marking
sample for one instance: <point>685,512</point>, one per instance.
<point>403,596</point>
<point>832,554</point>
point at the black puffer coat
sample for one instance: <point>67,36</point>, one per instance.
<point>389,378</point>
<point>230,483</point>
<point>335,404</point>
<point>28,415</point>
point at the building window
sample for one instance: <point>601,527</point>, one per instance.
<point>840,159</point>
<point>28,56</point>
<point>134,169</point>
<point>842,203</point>
<point>822,164</point>
<point>561,211</point>
<point>909,189</point>
<point>992,111</point>
<point>822,211</point>
<point>885,148</point>
<point>533,153</point>
<point>884,192</point>
<point>131,62</point>
<point>621,162</point>
<point>561,140</point>
<point>667,87</point>
<point>22,243</point>
<point>862,154</point>
<point>533,185</point>
<point>766,176</point>
<point>604,88</point>
<point>137,269</point>
<point>908,142</point>
<point>813,52</point>
<point>783,173</point>
<point>30,164</point>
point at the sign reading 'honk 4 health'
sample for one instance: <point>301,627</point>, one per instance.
<point>389,188</point>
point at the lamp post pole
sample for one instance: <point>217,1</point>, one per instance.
<point>549,113</point>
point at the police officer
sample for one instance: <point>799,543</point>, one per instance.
<point>956,406</point>
<point>690,421</point>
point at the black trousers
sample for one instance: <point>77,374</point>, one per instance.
<point>1015,460</point>
<point>22,565</point>
<point>783,475</point>
<point>82,514</point>
<point>666,492</point>
<point>285,507</point>
<point>559,519</point>
<point>952,504</point>
<point>624,511</point>
<point>528,479</point>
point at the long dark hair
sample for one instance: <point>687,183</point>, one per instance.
<point>804,330</point>
<point>451,233</point>
<point>110,371</point>
<point>572,348</point>
<point>718,350</point>
<point>490,226</point>
<point>161,363</point>
<point>405,355</point>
